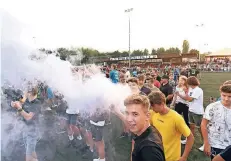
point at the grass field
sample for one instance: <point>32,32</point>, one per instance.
<point>210,83</point>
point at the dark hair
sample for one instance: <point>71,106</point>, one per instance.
<point>193,81</point>
<point>225,88</point>
<point>157,98</point>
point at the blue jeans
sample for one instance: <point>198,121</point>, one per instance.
<point>30,141</point>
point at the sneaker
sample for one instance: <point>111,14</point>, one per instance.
<point>96,159</point>
<point>71,137</point>
<point>202,148</point>
<point>48,109</point>
<point>183,142</point>
<point>99,159</point>
<point>79,137</point>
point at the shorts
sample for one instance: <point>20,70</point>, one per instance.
<point>72,119</point>
<point>195,119</point>
<point>215,151</point>
<point>30,141</point>
<point>97,133</point>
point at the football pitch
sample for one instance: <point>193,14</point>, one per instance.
<point>210,83</point>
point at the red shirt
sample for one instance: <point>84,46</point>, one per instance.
<point>157,83</point>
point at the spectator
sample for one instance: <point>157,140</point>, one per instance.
<point>166,89</point>
<point>217,117</point>
<point>196,109</point>
<point>171,127</point>
<point>114,74</point>
<point>141,79</point>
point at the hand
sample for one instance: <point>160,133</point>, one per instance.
<point>207,149</point>
<point>177,93</point>
<point>182,159</point>
<point>16,104</point>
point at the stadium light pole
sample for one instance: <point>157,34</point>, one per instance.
<point>200,26</point>
<point>129,34</point>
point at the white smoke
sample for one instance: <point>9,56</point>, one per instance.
<point>17,66</point>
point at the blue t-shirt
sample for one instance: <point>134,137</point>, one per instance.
<point>134,73</point>
<point>49,93</point>
<point>114,76</point>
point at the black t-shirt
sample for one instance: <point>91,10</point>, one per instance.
<point>193,72</point>
<point>167,90</point>
<point>148,146</point>
<point>145,90</point>
<point>226,154</point>
<point>34,107</point>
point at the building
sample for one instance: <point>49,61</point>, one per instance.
<point>148,60</point>
<point>218,56</point>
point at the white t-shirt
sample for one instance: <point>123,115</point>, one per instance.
<point>73,106</point>
<point>127,75</point>
<point>182,93</point>
<point>196,106</point>
<point>219,126</point>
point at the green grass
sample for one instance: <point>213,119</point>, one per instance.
<point>210,84</point>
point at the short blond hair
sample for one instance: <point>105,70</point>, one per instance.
<point>227,82</point>
<point>138,100</point>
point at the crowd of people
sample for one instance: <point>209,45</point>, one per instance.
<point>164,107</point>
<point>170,95</point>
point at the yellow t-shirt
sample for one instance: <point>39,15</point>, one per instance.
<point>171,126</point>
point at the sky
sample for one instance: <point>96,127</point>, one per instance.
<point>103,24</point>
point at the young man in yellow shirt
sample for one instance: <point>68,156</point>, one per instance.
<point>171,126</point>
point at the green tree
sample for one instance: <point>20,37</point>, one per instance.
<point>173,50</point>
<point>137,53</point>
<point>124,54</point>
<point>185,47</point>
<point>154,52</point>
<point>194,51</point>
<point>160,50</point>
<point>63,53</point>
<point>145,52</point>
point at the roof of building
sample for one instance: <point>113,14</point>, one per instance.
<point>223,52</point>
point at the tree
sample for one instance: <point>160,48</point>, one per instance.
<point>194,51</point>
<point>185,47</point>
<point>154,52</point>
<point>42,49</point>
<point>173,50</point>
<point>160,50</point>
<point>137,53</point>
<point>146,52</point>
<point>124,54</point>
<point>63,53</point>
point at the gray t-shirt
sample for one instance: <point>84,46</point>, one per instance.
<point>35,107</point>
